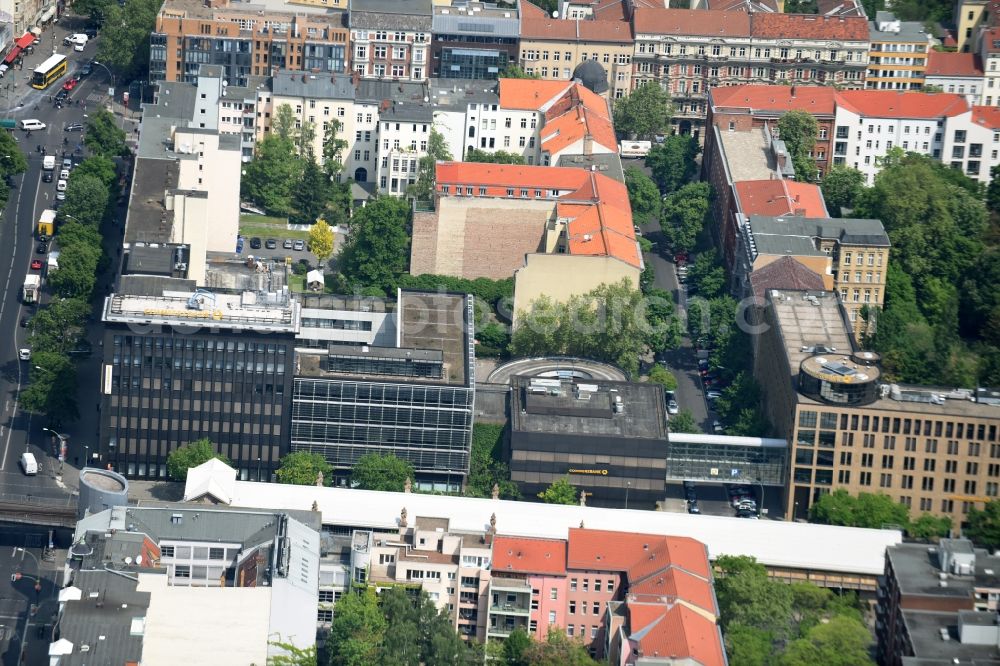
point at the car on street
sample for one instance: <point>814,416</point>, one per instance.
<point>43,238</point>
<point>64,174</point>
<point>287,244</point>
<point>270,244</point>
<point>713,394</point>
<point>255,243</point>
<point>47,177</point>
<point>693,507</point>
<point>42,248</point>
<point>673,407</point>
<point>24,322</point>
<point>74,127</point>
<point>70,84</point>
<point>689,491</point>
<point>750,515</point>
<point>61,184</point>
<point>636,229</point>
<point>718,428</point>
<point>299,245</point>
<point>62,94</point>
<point>61,195</point>
<point>86,69</point>
<point>36,264</point>
<point>67,163</point>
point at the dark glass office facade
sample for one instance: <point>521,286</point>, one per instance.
<point>163,389</point>
<point>472,56</point>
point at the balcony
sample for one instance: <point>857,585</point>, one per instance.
<point>509,585</point>
<point>510,609</point>
<point>504,630</point>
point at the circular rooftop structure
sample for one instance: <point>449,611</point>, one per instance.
<point>100,489</point>
<point>593,76</point>
<point>557,367</point>
<point>840,380</point>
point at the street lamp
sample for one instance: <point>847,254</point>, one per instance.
<point>38,593</point>
<point>258,468</point>
<point>113,89</point>
<point>628,485</point>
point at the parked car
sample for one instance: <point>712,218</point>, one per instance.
<point>61,184</point>
<point>255,243</point>
<point>36,264</point>
<point>47,177</point>
<point>270,244</point>
<point>67,163</point>
<point>74,127</point>
<point>673,407</point>
<point>287,244</point>
<point>750,515</point>
<point>637,230</point>
<point>61,195</point>
<point>693,507</point>
<point>24,322</point>
<point>718,428</point>
<point>299,245</point>
<point>42,248</point>
<point>86,69</point>
<point>713,394</point>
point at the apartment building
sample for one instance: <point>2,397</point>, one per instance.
<point>960,74</point>
<point>989,56</point>
<point>529,587</point>
<point>413,398</point>
<point>188,585</point>
<point>473,40</point>
<point>970,17</point>
<point>938,605</point>
<point>851,255</point>
<point>246,40</point>
<point>692,51</point>
<point>898,56</point>
<point>931,449</point>
<point>391,40</point>
<point>552,47</point>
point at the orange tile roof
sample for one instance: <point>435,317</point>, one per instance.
<point>522,555</point>
<point>817,100</point>
<point>703,22</point>
<point>675,631</point>
<point>588,30</point>
<point>902,104</point>
<point>530,94</point>
<point>780,197</point>
<point>570,127</point>
<point>943,63</point>
<point>986,116</point>
<point>808,26</point>
<point>510,175</point>
<point>673,583</point>
<point>619,551</point>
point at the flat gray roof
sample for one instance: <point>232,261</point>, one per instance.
<point>564,410</point>
<point>200,9</point>
<point>494,22</point>
<point>174,99</point>
<point>457,94</point>
<point>924,630</point>
<point>441,322</point>
<point>148,220</point>
<point>610,164</point>
<point>747,154</point>
<point>796,235</point>
<point>392,15</point>
<point>318,86</point>
<point>909,31</point>
<point>247,311</point>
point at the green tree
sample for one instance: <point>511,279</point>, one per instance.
<point>557,649</point>
<point>673,162</point>
<point>77,271</point>
<point>840,641</point>
<point>515,648</point>
<point>748,597</point>
<point>183,458</point>
<point>51,387</point>
<point>310,198</point>
<point>486,465</point>
<point>377,250</point>
<point>302,468</point>
<point>642,196</point>
<point>683,421</point>
<point>747,646</point>
<point>437,151</point>
<point>683,215</point>
<point>706,275</point>
<point>984,525</point>
<point>97,166</point>
<point>12,160</point>
<point>928,526</point>
<point>841,187</point>
<point>333,148</point>
<point>375,471</point>
<point>357,631</point>
<point>321,241</point>
<point>95,9</point>
<point>295,656</point>
<point>873,510</point>
<point>799,129</point>
<point>560,491</point>
<point>660,375</point>
<point>993,191</point>
<point>643,113</point>
<point>124,43</point>
<point>103,137</point>
<point>268,178</point>
<point>86,199</point>
<point>493,339</point>
<point>495,157</point>
<point>513,71</point>
<point>60,326</point>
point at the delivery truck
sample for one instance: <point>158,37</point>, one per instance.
<point>49,162</point>
<point>32,282</point>
<point>47,223</point>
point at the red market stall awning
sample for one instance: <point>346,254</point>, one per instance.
<point>12,56</point>
<point>25,40</point>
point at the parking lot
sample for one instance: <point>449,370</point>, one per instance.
<point>713,500</point>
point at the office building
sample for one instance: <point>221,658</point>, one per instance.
<point>898,56</point>
<point>961,74</point>
<point>178,584</point>
<point>608,438</point>
<point>413,398</point>
<point>851,255</point>
<point>932,449</point>
<point>473,40</point>
<point>228,108</point>
<point>247,39</point>
<point>391,40</point>
<point>938,605</point>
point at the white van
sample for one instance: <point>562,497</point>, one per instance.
<point>31,124</point>
<point>29,464</point>
<point>24,354</point>
<point>79,40</point>
<point>49,162</point>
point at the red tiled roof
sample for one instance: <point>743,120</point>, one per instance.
<point>522,555</point>
<point>991,40</point>
<point>510,175</point>
<point>675,583</point>
<point>619,551</point>
<point>568,128</point>
<point>785,273</point>
<point>675,631</point>
<point>986,116</point>
<point>902,104</point>
<point>589,30</point>
<point>702,22</point>
<point>817,100</point>
<point>780,197</point>
<point>530,94</point>
<point>530,11</point>
<point>943,63</point>
<point>808,26</point>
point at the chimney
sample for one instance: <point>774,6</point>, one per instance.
<point>588,144</point>
<point>303,78</point>
<point>800,212</point>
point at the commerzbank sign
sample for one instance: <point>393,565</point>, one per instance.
<point>598,472</point>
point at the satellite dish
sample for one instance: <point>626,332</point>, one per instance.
<point>138,559</point>
<point>128,561</point>
<point>224,83</point>
<point>555,14</point>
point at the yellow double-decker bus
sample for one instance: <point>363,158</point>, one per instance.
<point>49,72</point>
